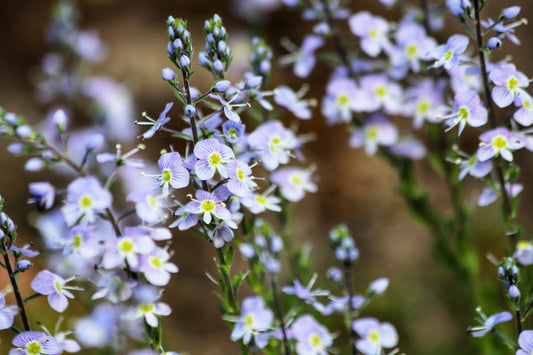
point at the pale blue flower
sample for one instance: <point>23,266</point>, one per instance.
<point>255,318</point>
<point>490,322</point>
<point>212,156</point>
<point>86,198</point>
<point>54,286</point>
<point>447,55</point>
<point>35,343</point>
<point>374,336</point>
<point>311,337</point>
<point>525,341</point>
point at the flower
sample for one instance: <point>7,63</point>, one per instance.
<point>373,31</point>
<point>468,110</point>
<point>447,55</point>
<point>525,341</point>
<point>273,143</point>
<point>42,194</point>
<point>150,311</point>
<point>374,335</point>
<point>48,283</point>
<point>489,323</point>
<point>291,101</point>
<point>149,206</point>
<point>212,156</point>
<point>240,178</point>
<point>499,141</point>
<point>312,338</point>
<point>294,182</point>
<point>508,83</point>
<point>255,318</point>
<point>209,205</point>
<point>376,131</point>
<point>85,200</point>
<point>171,172</point>
<point>35,343</point>
<point>156,125</point>
<point>7,313</point>
<point>156,266</point>
<point>524,252</point>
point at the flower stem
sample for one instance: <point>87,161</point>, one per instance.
<point>279,313</point>
<point>192,120</point>
<point>507,211</point>
<point>351,317</point>
<point>337,39</point>
<point>16,290</point>
<point>224,271</point>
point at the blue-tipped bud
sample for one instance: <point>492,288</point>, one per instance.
<point>218,66</point>
<point>170,20</point>
<point>514,292</point>
<point>171,32</point>
<point>60,120</point>
<point>168,74</point>
<point>11,118</point>
<point>94,142</point>
<point>24,265</point>
<point>335,274</point>
<point>190,110</point>
<point>204,60</point>
<point>170,49</point>
<point>494,43</point>
<point>34,164</point>
<point>177,44</point>
<point>6,222</point>
<point>511,12</point>
<point>222,46</point>
<point>247,250</point>
<point>185,61</point>
<point>254,81</point>
<point>15,148</point>
<point>222,85</point>
<point>276,244</point>
<point>24,131</point>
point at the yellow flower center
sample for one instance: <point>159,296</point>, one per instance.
<point>261,199</point>
<point>156,262</point>
<point>374,336</point>
<point>240,174</point>
<point>215,159</point>
<point>463,113</point>
<point>146,307</point>
<point>512,84</point>
<point>448,55</point>
<point>343,100</point>
<point>423,106</point>
<point>208,205</point>
<point>57,286</point>
<point>526,104</point>
<point>86,202</point>
<point>373,33</point>
<point>34,348</point>
<point>248,321</point>
<point>411,51</point>
<point>151,201</point>
<point>380,91</point>
<point>315,341</point>
<point>125,246</point>
<point>499,142</point>
<point>77,241</point>
<point>295,180</point>
<point>372,133</point>
<point>166,175</point>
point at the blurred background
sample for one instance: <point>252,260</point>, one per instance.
<point>424,300</point>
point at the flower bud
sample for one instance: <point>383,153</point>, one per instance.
<point>60,119</point>
<point>185,61</point>
<point>511,12</point>
<point>218,66</point>
<point>514,292</point>
<point>24,131</point>
<point>168,74</point>
<point>94,142</point>
<point>494,43</point>
<point>190,110</point>
<point>24,265</point>
<point>222,85</point>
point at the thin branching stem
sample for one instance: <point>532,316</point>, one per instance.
<point>279,313</point>
<point>16,290</point>
<point>490,107</point>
